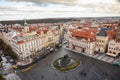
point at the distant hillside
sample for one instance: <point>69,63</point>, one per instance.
<point>31,21</point>
<point>52,20</point>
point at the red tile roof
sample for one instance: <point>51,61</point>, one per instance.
<point>111,34</point>
<point>20,42</point>
<point>45,31</point>
<point>32,29</point>
<point>86,33</point>
<point>118,40</point>
<point>21,34</point>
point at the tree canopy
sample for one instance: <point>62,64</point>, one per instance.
<point>8,50</point>
<point>1,77</point>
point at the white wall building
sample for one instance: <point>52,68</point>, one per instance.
<point>113,48</point>
<point>82,41</point>
<point>31,40</point>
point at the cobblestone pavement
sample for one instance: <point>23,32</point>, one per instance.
<point>90,69</point>
<point>101,57</point>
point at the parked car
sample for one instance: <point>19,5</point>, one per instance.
<point>60,45</point>
<point>117,63</point>
<point>15,67</point>
<point>5,73</point>
<point>8,57</point>
<point>3,63</point>
<point>51,49</point>
<point>11,60</point>
<point>95,52</point>
<point>67,46</point>
<point>65,42</point>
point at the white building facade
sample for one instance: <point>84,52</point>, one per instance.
<point>82,41</point>
<point>113,48</point>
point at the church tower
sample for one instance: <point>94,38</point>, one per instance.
<point>26,28</point>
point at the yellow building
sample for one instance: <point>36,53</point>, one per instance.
<point>101,41</point>
<point>51,37</point>
<point>4,37</point>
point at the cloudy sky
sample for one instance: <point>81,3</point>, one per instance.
<point>32,9</point>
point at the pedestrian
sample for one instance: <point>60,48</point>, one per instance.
<point>42,76</point>
<point>106,73</point>
<point>15,71</point>
<point>84,74</point>
<point>56,74</point>
<point>65,77</point>
<point>79,73</point>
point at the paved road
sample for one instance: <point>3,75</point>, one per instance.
<point>93,69</point>
<point>12,76</point>
<point>7,69</point>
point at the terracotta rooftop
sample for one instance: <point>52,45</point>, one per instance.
<point>110,33</point>
<point>87,34</point>
<point>118,40</point>
<point>45,31</point>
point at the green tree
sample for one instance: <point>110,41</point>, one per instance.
<point>7,49</point>
<point>1,77</point>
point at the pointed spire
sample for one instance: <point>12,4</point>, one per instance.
<point>25,22</point>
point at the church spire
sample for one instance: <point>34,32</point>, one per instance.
<point>26,28</point>
<point>25,23</point>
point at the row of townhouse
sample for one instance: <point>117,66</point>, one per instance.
<point>30,41</point>
<point>103,40</point>
<point>114,44</point>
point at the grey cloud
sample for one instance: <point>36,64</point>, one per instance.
<point>66,2</point>
<point>118,1</point>
<point>6,8</point>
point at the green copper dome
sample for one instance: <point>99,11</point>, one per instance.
<point>25,23</point>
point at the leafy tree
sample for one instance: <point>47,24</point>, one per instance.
<point>1,77</point>
<point>7,49</point>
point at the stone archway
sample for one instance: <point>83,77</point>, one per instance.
<point>83,50</point>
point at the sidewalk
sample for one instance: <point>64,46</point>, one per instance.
<point>12,76</point>
<point>24,63</point>
<point>101,57</point>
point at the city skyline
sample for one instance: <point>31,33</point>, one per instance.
<point>88,48</point>
<point>36,9</point>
